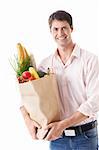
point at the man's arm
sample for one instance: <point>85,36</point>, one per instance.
<point>31,125</point>
<point>57,128</point>
<point>76,118</point>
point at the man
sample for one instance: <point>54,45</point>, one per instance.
<point>77,73</point>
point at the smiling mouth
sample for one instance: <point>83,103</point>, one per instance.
<point>63,38</point>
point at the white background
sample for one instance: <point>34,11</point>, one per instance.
<point>26,21</point>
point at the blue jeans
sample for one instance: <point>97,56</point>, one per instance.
<point>86,141</point>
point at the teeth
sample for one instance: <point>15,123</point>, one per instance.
<point>62,38</point>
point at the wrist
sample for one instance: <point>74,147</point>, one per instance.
<point>24,113</point>
<point>65,123</point>
<point>76,118</point>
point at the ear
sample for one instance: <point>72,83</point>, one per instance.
<point>71,29</point>
<point>50,30</point>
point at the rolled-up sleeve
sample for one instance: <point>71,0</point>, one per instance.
<point>91,105</point>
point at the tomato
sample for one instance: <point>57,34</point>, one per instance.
<point>19,79</point>
<point>32,78</point>
<point>26,74</point>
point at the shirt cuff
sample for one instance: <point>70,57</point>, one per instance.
<point>86,109</point>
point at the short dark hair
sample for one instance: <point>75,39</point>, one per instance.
<point>61,16</point>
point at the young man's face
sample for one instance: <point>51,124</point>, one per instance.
<point>61,32</point>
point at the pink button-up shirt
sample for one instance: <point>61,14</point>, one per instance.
<point>78,82</point>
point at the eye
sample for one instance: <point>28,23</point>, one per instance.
<point>55,29</point>
<point>64,28</point>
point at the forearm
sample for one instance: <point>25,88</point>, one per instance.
<point>31,124</point>
<point>76,118</point>
<point>25,114</point>
<point>27,118</point>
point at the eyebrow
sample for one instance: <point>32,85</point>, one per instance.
<point>59,27</point>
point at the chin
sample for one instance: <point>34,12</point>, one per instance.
<point>62,44</point>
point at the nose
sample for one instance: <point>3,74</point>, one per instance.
<point>60,32</point>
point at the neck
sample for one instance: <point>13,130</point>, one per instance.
<point>65,52</point>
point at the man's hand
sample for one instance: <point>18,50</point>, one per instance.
<point>31,125</point>
<point>56,130</point>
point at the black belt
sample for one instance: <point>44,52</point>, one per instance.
<point>77,130</point>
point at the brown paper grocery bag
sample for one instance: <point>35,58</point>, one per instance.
<point>41,99</point>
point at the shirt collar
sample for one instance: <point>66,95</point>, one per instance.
<point>75,52</point>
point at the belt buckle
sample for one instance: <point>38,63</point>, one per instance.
<point>70,132</point>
